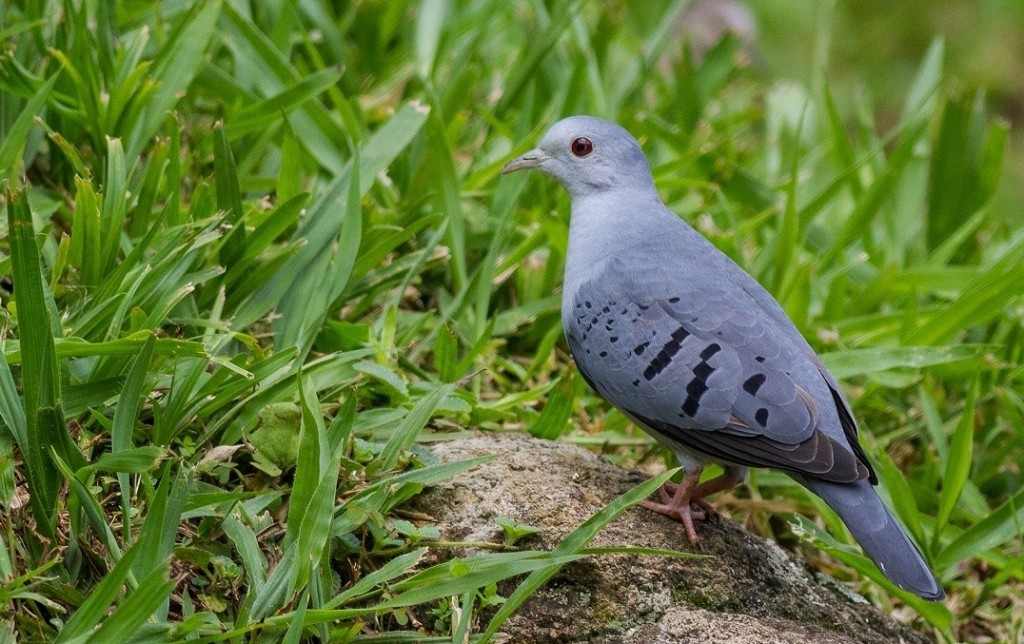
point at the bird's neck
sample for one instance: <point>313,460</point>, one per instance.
<point>604,225</point>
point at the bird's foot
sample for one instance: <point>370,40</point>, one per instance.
<point>698,504</point>
<point>679,503</point>
<point>684,513</point>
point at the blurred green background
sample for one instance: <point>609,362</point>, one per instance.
<point>872,49</point>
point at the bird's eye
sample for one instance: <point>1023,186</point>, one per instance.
<point>581,147</point>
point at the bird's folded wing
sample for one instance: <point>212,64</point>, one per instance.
<point>710,377</point>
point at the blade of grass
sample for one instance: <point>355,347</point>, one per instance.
<point>229,197</point>
<point>91,612</point>
<point>40,371</point>
<point>123,426</point>
<point>554,419</point>
<point>411,426</point>
<point>136,608</point>
<point>17,134</point>
<point>858,362</point>
<point>176,64</point>
<point>160,526</point>
<point>958,466</point>
<point>268,112</point>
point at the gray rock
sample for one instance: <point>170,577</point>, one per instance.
<point>746,588</point>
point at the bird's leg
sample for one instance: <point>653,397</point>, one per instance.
<point>700,509</point>
<point>677,505</point>
<point>726,480</point>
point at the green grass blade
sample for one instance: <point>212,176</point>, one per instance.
<point>958,465</point>
<point>294,633</point>
<point>229,197</point>
<point>248,548</point>
<point>457,576</point>
<point>11,410</point>
<point>85,253</point>
<point>91,612</point>
<point>133,460</point>
<point>137,607</point>
<point>123,426</point>
<point>1003,525</point>
<point>309,469</point>
<point>114,207</point>
<point>176,64</point>
<point>554,419</point>
<point>371,582</point>
<point>268,112</point>
<point>40,371</point>
<point>165,507</point>
<point>430,23</point>
<point>16,136</point>
<point>275,593</point>
<point>858,362</point>
<point>411,426</point>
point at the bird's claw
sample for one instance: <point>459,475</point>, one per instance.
<point>685,514</point>
<point>680,503</point>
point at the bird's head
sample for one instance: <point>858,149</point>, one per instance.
<point>588,155</point>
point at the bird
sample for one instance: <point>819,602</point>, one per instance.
<point>694,351</point>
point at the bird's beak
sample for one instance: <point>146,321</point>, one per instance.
<point>531,159</point>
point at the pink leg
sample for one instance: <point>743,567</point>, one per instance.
<point>678,499</point>
<point>676,502</point>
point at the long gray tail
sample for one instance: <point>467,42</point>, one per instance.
<point>880,535</point>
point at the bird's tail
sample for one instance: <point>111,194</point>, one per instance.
<point>880,535</point>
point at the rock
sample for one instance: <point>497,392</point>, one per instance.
<point>746,588</point>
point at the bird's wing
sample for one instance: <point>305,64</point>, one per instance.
<point>706,370</point>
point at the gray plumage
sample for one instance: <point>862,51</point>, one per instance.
<point>671,331</point>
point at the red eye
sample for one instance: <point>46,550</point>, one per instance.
<point>581,147</point>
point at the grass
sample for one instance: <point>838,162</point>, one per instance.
<point>235,233</point>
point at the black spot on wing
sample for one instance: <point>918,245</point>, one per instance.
<point>710,351</point>
<point>762,417</point>
<point>664,357</point>
<point>640,348</point>
<point>753,383</point>
<point>690,406</point>
<point>656,366</point>
<point>703,370</point>
<point>696,388</point>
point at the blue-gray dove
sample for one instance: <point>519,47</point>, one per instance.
<point>691,348</point>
